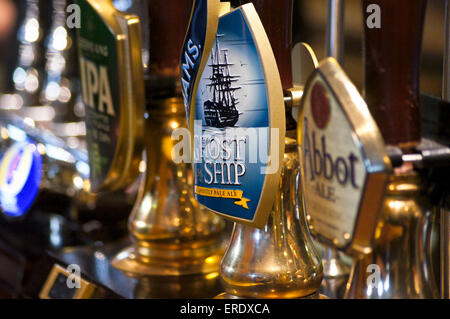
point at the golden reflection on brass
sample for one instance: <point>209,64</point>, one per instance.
<point>192,286</point>
<point>402,247</point>
<point>279,260</point>
<point>315,295</point>
<point>335,274</point>
<point>172,234</point>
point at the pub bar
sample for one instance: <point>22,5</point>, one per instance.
<point>225,150</point>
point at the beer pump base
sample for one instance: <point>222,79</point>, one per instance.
<point>147,261</point>
<point>401,252</point>
<point>224,296</point>
<point>95,268</point>
<point>335,275</point>
<point>173,236</point>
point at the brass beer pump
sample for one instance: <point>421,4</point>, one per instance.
<point>445,207</point>
<point>172,235</point>
<point>399,264</point>
<point>278,260</point>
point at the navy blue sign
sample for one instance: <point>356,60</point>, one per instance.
<point>193,51</point>
<point>20,178</point>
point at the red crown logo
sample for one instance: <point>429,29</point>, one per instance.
<point>320,106</point>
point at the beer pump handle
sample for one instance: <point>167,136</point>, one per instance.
<point>168,22</point>
<point>276,17</point>
<point>335,30</point>
<point>446,73</point>
<point>445,212</point>
<point>393,37</point>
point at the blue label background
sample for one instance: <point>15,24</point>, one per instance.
<point>242,53</point>
<point>27,195</point>
<point>196,33</point>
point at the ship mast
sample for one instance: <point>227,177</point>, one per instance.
<point>221,79</point>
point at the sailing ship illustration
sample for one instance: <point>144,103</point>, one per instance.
<point>221,110</point>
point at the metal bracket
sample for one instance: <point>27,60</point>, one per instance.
<point>428,154</point>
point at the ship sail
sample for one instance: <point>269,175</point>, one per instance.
<point>221,110</point>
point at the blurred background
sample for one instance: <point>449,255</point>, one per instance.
<point>9,23</point>
<point>309,26</point>
<point>38,66</point>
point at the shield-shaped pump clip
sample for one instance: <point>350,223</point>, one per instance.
<point>113,92</point>
<point>343,159</point>
<point>238,121</point>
